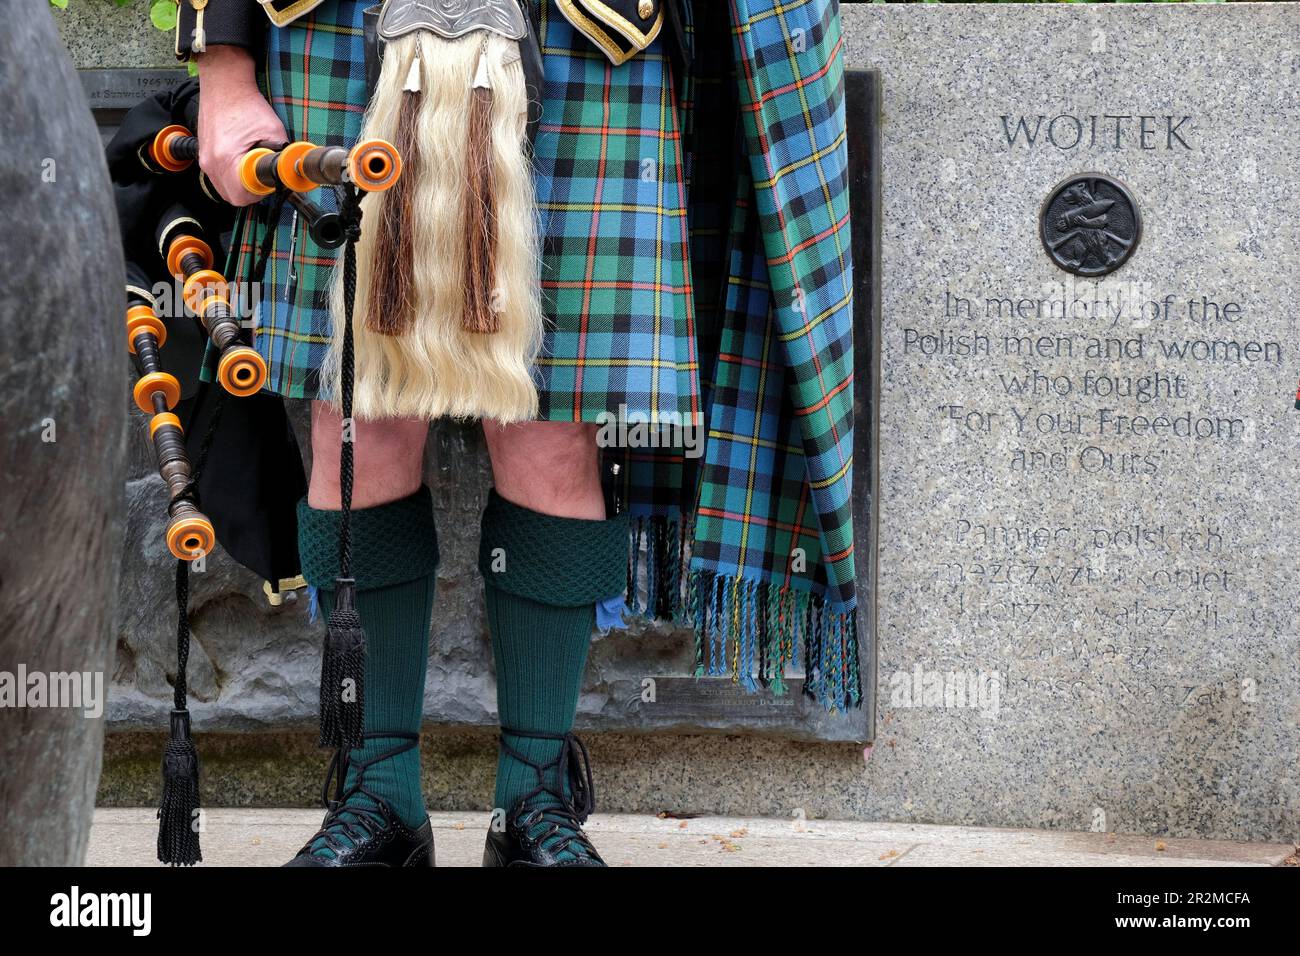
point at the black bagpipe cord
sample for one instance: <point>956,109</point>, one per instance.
<point>343,662</point>
<point>179,821</point>
<point>178,811</point>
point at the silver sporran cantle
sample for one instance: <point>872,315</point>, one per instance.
<point>452,18</point>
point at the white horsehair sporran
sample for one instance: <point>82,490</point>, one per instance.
<point>448,318</point>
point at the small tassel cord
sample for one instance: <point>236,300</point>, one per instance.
<point>178,809</point>
<point>343,662</point>
<point>343,672</point>
<point>178,812</point>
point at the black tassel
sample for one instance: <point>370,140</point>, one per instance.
<point>178,816</point>
<point>178,811</point>
<point>343,673</point>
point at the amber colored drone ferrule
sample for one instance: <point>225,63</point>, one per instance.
<point>140,319</point>
<point>168,147</point>
<point>257,171</point>
<point>288,168</point>
<point>241,371</point>
<point>183,246</point>
<point>374,165</point>
<point>190,535</point>
<point>160,383</point>
<point>161,419</point>
<point>202,285</point>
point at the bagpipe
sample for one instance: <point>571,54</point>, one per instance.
<point>187,341</point>
<point>175,148</point>
<point>183,240</point>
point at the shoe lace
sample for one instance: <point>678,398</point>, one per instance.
<point>348,820</point>
<point>563,815</point>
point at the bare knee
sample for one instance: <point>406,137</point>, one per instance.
<point>551,467</point>
<point>388,459</point>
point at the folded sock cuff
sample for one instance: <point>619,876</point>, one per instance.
<point>562,562</point>
<point>391,543</point>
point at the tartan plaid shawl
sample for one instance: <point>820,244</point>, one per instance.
<point>770,568</point>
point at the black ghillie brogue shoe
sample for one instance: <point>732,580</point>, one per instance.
<point>544,827</point>
<point>360,829</point>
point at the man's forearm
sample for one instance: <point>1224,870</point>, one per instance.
<point>223,67</point>
<point>233,116</point>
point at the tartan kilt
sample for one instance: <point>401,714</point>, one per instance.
<point>610,179</point>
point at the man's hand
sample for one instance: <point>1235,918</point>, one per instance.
<point>233,117</point>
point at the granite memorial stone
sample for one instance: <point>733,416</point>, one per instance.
<point>1087,597</point>
<point>1090,464</point>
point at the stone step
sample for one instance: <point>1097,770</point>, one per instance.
<point>125,837</point>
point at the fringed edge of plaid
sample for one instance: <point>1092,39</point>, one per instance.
<point>750,630</point>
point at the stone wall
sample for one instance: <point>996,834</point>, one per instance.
<point>99,34</point>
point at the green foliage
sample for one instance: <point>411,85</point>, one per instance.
<point>163,15</point>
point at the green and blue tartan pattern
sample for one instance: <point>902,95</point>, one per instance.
<point>793,110</point>
<point>702,273</point>
<point>611,200</point>
<point>790,58</point>
<point>611,197</point>
<point>771,567</point>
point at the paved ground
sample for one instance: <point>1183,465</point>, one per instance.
<point>126,837</point>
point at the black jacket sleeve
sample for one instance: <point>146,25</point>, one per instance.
<point>204,23</point>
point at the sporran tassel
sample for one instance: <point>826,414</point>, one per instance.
<point>395,268</point>
<point>480,212</point>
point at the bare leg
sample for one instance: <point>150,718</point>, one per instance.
<point>388,459</point>
<point>548,467</point>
